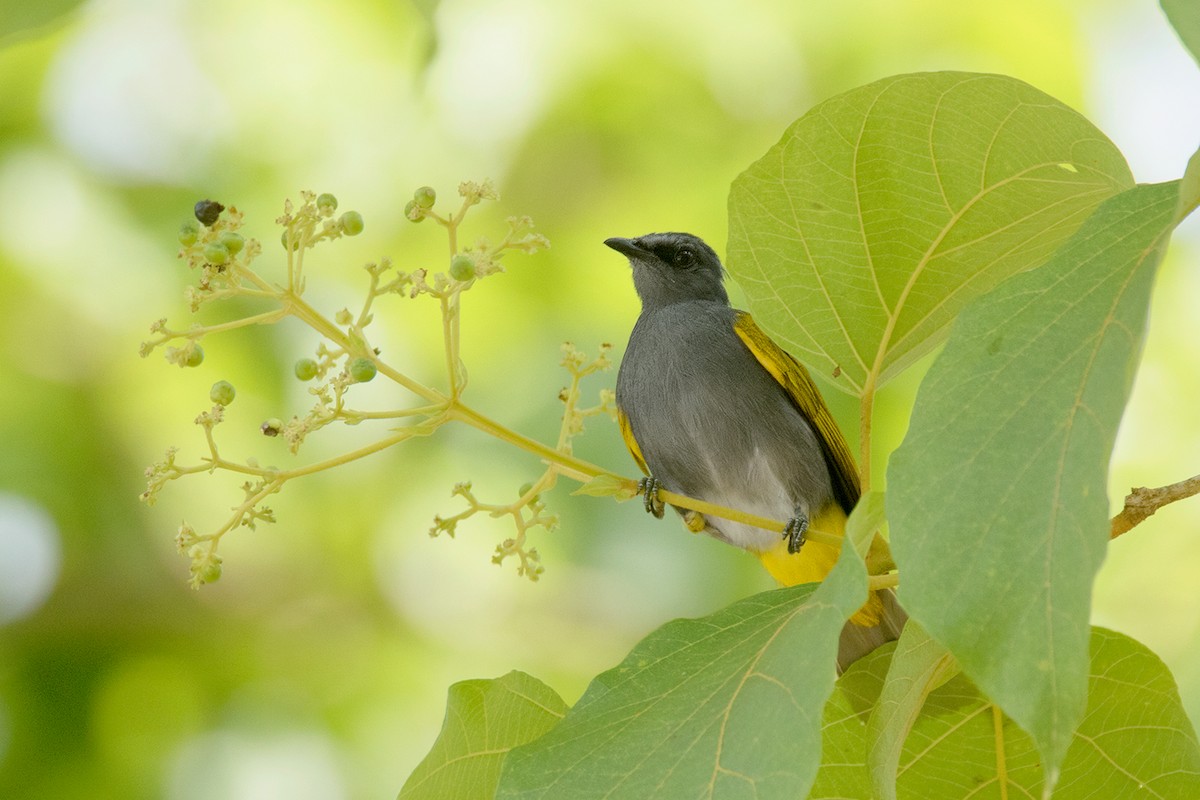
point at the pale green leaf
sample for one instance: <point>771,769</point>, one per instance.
<point>883,211</point>
<point>725,706</point>
<point>22,18</point>
<point>1185,19</point>
<point>1189,189</point>
<point>919,666</point>
<point>1135,740</point>
<point>484,720</point>
<point>996,498</point>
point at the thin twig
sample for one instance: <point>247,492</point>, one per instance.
<point>1141,503</point>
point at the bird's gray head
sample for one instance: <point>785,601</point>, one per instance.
<point>672,268</point>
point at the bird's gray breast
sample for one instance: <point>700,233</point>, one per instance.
<point>712,423</point>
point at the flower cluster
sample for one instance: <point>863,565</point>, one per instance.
<point>223,261</point>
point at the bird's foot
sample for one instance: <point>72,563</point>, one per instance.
<point>794,532</point>
<point>648,488</point>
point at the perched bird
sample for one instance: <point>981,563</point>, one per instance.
<point>710,407</point>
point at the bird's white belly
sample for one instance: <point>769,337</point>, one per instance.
<point>752,487</point>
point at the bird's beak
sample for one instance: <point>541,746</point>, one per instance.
<point>627,247</point>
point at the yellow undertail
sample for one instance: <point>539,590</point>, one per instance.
<point>815,560</point>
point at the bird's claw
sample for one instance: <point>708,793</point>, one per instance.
<point>794,532</point>
<point>648,488</point>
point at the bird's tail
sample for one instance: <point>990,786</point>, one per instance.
<point>879,620</point>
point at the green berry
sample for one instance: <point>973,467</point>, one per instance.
<point>188,231</point>
<point>326,203</point>
<point>352,223</point>
<point>233,242</point>
<point>272,427</point>
<point>362,369</point>
<point>207,211</point>
<point>195,357</point>
<point>306,369</point>
<point>425,197</point>
<point>210,572</point>
<point>462,267</point>
<point>414,212</point>
<point>222,393</point>
<point>216,253</point>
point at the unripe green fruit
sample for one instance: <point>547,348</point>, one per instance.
<point>362,369</point>
<point>222,393</point>
<point>233,242</point>
<point>462,267</point>
<point>352,223</point>
<point>272,427</point>
<point>414,212</point>
<point>327,203</point>
<point>525,487</point>
<point>211,572</point>
<point>195,357</point>
<point>425,197</point>
<point>188,231</point>
<point>306,369</point>
<point>216,253</point>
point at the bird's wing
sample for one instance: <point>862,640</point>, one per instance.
<point>630,442</point>
<point>795,380</point>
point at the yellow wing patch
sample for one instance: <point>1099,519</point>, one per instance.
<point>815,559</point>
<point>630,442</point>
<point>795,380</point>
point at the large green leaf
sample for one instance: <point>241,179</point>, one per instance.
<point>883,211</point>
<point>1189,189</point>
<point>997,505</point>
<point>1135,740</point>
<point>22,18</point>
<point>484,720</point>
<point>726,706</point>
<point>1185,19</point>
<point>919,666</point>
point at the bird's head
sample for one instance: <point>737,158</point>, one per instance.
<point>672,268</point>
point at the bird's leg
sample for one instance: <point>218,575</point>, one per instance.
<point>648,488</point>
<point>794,532</point>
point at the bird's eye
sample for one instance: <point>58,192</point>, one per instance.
<point>684,257</point>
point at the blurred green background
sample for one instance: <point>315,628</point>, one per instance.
<point>317,666</point>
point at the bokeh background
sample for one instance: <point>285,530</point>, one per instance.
<point>317,667</point>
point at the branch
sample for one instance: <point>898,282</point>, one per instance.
<point>1141,503</point>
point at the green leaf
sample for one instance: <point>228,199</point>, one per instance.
<point>996,497</point>
<point>883,211</point>
<point>724,706</point>
<point>484,720</point>
<point>1184,16</point>
<point>919,666</point>
<point>21,18</point>
<point>1189,189</point>
<point>1135,740</point>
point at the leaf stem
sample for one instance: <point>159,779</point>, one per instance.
<point>866,409</point>
<point>889,580</point>
<point>1001,756</point>
<point>362,452</point>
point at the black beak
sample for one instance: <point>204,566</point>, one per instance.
<point>626,247</point>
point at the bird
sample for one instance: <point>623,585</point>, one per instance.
<point>711,407</point>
